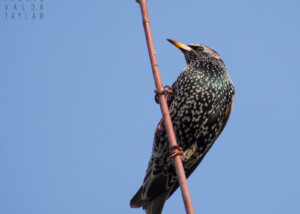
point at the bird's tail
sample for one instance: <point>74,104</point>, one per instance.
<point>137,201</point>
<point>152,206</point>
<point>156,205</point>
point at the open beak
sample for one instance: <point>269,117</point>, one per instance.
<point>179,45</point>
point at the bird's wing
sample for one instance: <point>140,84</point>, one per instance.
<point>156,179</point>
<point>156,182</point>
<point>189,171</point>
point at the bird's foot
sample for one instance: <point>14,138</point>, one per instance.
<point>167,90</point>
<point>177,150</point>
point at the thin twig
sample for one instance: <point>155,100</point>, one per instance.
<point>165,111</point>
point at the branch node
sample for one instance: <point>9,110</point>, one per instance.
<point>145,20</point>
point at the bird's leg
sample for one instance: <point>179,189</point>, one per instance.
<point>159,126</point>
<point>168,91</point>
<point>176,150</point>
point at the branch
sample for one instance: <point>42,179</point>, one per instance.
<point>165,111</point>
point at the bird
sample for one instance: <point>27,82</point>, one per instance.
<point>200,103</point>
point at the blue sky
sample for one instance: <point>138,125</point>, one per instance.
<point>78,114</point>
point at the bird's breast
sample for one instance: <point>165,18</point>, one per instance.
<point>199,104</point>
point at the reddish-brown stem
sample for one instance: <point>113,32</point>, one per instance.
<point>165,110</point>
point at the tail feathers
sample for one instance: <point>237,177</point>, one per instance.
<point>156,205</point>
<point>137,201</point>
<point>153,206</point>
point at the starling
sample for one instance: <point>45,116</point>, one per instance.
<point>200,105</point>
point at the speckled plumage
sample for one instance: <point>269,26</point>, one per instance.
<point>202,101</point>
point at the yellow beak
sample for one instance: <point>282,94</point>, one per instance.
<point>179,45</point>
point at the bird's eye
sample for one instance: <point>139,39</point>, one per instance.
<point>198,48</point>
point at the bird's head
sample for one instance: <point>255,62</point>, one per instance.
<point>197,52</point>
